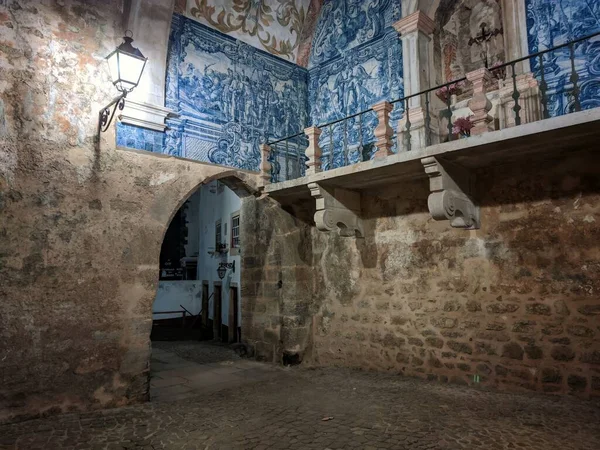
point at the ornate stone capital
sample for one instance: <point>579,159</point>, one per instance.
<point>313,151</point>
<point>265,165</point>
<point>417,21</point>
<point>337,210</point>
<point>384,131</point>
<point>449,198</point>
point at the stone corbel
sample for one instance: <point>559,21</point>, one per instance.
<point>337,210</point>
<point>450,197</point>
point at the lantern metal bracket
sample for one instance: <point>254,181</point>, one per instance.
<point>106,116</point>
<point>223,267</point>
<point>228,266</point>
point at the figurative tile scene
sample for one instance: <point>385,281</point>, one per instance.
<point>233,92</point>
<point>230,97</point>
<point>555,22</point>
<point>356,61</point>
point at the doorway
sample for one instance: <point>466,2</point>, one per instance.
<point>207,327</point>
<point>234,311</point>
<point>194,297</point>
<point>217,311</point>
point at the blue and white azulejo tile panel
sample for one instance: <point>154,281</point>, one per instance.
<point>349,74</point>
<point>230,97</point>
<point>551,23</point>
<point>139,138</point>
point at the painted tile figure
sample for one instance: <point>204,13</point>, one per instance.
<point>345,24</point>
<point>230,97</point>
<point>356,61</point>
<point>555,22</point>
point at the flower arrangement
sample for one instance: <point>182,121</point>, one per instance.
<point>448,91</point>
<point>462,127</point>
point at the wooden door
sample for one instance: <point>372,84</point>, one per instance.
<point>234,309</point>
<point>217,308</point>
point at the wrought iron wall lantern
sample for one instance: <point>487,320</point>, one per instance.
<point>223,267</point>
<point>126,65</point>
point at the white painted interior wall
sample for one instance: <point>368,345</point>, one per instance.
<point>171,295</point>
<point>218,204</point>
<point>206,206</point>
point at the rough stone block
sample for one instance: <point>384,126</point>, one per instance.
<point>577,383</point>
<point>563,353</point>
<point>551,375</point>
<point>502,308</point>
<point>591,357</point>
<point>538,309</point>
<point>512,350</point>
<point>460,347</point>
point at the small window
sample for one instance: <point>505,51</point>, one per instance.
<point>235,231</point>
<point>218,236</point>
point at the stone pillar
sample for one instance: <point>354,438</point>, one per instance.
<point>480,104</point>
<point>515,33</point>
<point>265,165</point>
<point>150,23</point>
<point>415,31</point>
<point>313,151</point>
<point>384,131</point>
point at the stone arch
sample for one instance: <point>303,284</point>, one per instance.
<point>162,184</point>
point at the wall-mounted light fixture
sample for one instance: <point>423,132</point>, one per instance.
<point>125,65</point>
<point>223,267</point>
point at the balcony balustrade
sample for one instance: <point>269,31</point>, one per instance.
<point>479,111</point>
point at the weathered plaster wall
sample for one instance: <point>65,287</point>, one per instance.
<point>80,228</point>
<point>515,302</point>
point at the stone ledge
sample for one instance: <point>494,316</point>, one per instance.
<point>531,142</point>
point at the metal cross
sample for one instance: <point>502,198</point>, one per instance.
<point>482,40</point>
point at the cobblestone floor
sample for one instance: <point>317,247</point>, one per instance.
<point>366,411</point>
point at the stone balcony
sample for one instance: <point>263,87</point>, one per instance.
<point>450,167</point>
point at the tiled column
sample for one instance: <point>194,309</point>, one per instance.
<point>384,131</point>
<point>415,31</point>
<point>265,165</point>
<point>480,104</point>
<point>313,152</point>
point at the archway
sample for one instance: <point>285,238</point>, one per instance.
<point>196,335</point>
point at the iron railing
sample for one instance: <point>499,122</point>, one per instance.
<point>353,135</point>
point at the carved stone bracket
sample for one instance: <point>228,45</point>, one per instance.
<point>450,194</point>
<point>337,210</point>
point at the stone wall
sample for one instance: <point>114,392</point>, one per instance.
<point>278,280</point>
<point>515,302</point>
<point>80,226</point>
